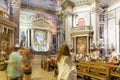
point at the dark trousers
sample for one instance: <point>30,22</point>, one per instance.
<point>15,78</point>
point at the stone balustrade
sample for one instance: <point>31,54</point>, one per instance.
<point>5,16</point>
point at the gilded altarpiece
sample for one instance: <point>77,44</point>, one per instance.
<point>82,44</point>
<point>82,37</point>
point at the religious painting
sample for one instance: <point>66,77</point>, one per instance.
<point>81,22</point>
<point>81,45</point>
<point>40,40</point>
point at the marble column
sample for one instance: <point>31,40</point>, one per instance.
<point>58,40</point>
<point>28,37</point>
<point>32,39</point>
<point>75,48</point>
<point>74,24</point>
<point>15,4</point>
<point>88,44</point>
<point>106,32</point>
<point>95,22</point>
<point>68,26</point>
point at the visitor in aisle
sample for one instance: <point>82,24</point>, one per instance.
<point>14,71</point>
<point>26,64</point>
<point>66,67</point>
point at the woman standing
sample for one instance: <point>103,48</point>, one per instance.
<point>26,65</point>
<point>66,68</point>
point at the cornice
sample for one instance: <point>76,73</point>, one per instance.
<point>44,24</point>
<point>37,8</point>
<point>80,4</point>
<point>83,2</point>
<point>76,31</point>
<point>7,23</point>
<point>73,34</point>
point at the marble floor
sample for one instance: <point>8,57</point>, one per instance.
<point>37,72</point>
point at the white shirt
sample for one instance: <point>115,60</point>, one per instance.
<point>65,66</point>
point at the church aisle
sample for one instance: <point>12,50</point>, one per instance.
<point>38,73</point>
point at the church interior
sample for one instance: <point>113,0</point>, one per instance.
<point>91,29</point>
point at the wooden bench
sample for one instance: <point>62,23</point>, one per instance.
<point>115,71</point>
<point>93,71</point>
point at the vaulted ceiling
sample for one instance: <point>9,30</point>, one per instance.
<point>47,4</point>
<point>51,4</point>
<point>3,4</point>
<point>105,2</point>
<point>54,4</point>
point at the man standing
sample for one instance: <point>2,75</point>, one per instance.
<point>13,69</point>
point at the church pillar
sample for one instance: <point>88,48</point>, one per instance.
<point>95,21</point>
<point>74,45</point>
<point>68,26</point>
<point>15,4</point>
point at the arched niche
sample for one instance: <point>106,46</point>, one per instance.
<point>42,34</point>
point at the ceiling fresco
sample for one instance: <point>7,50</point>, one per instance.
<point>104,2</point>
<point>3,4</point>
<point>47,4</point>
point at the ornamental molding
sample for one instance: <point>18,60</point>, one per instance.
<point>81,33</point>
<point>83,2</point>
<point>44,24</point>
<point>8,23</point>
<point>80,2</point>
<point>82,30</point>
<point>32,7</point>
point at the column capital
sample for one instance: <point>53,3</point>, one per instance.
<point>16,3</point>
<point>67,13</point>
<point>95,10</point>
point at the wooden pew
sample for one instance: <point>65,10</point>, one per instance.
<point>115,71</point>
<point>92,70</point>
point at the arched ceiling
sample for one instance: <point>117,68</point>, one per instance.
<point>47,4</point>
<point>51,4</point>
<point>105,2</point>
<point>3,4</point>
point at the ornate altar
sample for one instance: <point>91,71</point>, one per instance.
<point>81,39</point>
<point>41,35</point>
<point>7,27</point>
